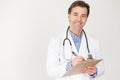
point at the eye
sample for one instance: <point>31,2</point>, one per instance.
<point>75,14</point>
<point>84,15</point>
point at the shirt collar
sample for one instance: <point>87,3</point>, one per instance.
<point>75,36</point>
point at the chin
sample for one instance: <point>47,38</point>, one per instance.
<point>78,27</point>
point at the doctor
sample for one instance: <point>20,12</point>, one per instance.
<point>73,46</point>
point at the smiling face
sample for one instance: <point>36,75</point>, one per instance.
<point>77,19</point>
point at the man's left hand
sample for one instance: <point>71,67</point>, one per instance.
<point>90,70</point>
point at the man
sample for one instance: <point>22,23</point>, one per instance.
<point>59,50</point>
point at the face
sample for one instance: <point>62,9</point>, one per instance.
<point>77,18</point>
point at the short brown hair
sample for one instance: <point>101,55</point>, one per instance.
<point>80,4</point>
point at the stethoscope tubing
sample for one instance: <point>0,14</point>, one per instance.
<point>89,55</point>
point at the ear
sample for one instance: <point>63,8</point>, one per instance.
<point>69,16</point>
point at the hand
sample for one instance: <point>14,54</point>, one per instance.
<point>77,60</point>
<point>90,70</point>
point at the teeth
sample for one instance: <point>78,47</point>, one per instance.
<point>78,24</point>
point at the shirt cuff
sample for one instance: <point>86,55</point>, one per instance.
<point>94,75</point>
<point>68,66</point>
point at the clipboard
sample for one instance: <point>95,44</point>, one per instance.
<point>78,69</point>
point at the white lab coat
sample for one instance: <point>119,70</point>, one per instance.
<point>56,57</point>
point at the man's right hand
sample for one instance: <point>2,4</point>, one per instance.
<point>77,60</point>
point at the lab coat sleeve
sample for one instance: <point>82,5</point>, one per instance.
<point>55,69</point>
<point>99,55</point>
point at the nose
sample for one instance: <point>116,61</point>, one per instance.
<point>79,18</point>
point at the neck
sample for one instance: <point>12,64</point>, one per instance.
<point>76,32</point>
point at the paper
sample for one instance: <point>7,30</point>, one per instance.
<point>78,69</point>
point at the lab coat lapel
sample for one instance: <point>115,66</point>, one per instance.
<point>83,48</point>
<point>73,45</point>
<point>67,48</point>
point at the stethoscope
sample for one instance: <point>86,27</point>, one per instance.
<point>73,53</point>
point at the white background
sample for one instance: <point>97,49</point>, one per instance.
<point>26,26</point>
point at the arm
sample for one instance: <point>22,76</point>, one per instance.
<point>97,70</point>
<point>99,66</point>
<point>55,69</point>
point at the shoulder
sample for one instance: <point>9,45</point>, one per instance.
<point>57,38</point>
<point>92,41</point>
<point>91,38</point>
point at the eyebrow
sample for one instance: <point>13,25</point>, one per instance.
<point>75,13</point>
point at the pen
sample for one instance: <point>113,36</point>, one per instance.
<point>74,53</point>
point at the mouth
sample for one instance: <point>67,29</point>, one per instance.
<point>78,24</point>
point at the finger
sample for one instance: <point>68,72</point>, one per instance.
<point>85,70</point>
<point>79,58</point>
<point>91,67</point>
<point>90,72</point>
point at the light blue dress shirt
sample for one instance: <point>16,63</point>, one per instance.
<point>76,40</point>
